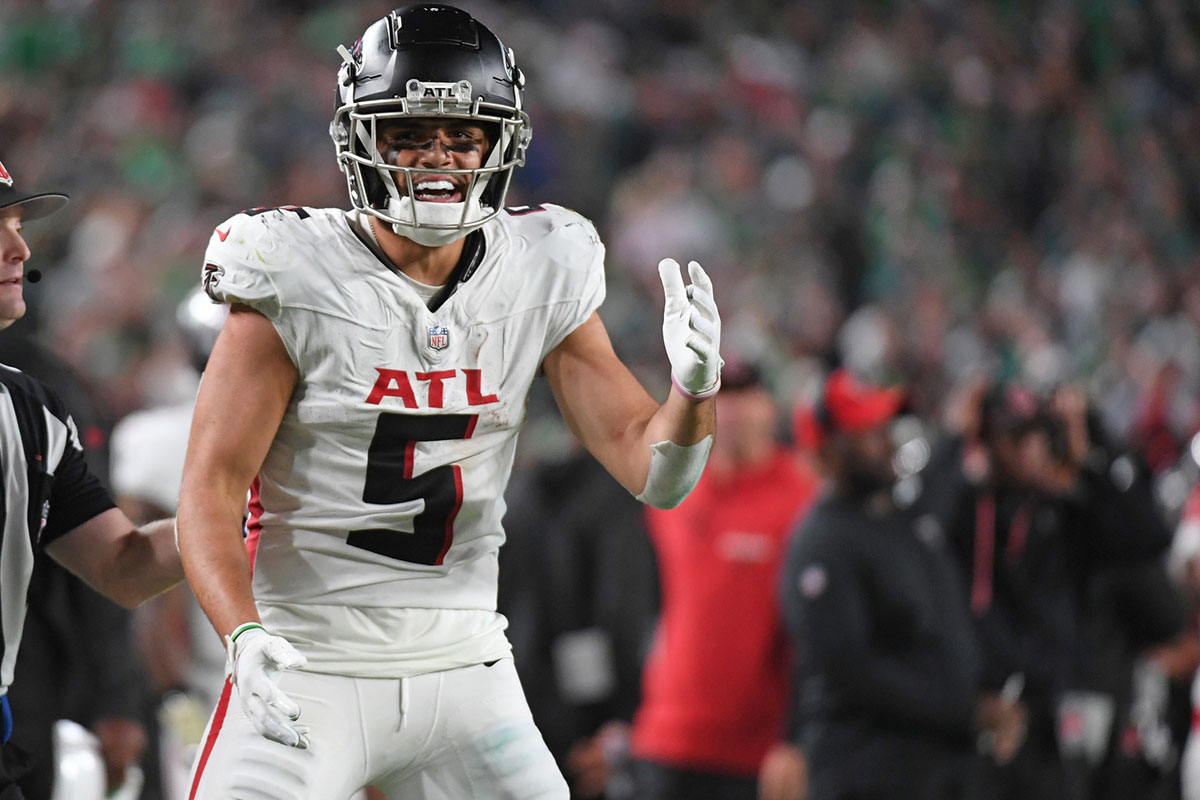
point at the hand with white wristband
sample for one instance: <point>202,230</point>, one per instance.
<point>691,330</point>
<point>255,659</point>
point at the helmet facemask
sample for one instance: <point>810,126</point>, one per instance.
<point>387,191</point>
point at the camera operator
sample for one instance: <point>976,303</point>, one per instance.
<point>1056,532</point>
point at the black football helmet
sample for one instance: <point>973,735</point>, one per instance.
<point>428,60</point>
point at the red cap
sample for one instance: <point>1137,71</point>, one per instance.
<point>852,407</point>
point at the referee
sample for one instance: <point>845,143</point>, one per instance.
<point>49,501</point>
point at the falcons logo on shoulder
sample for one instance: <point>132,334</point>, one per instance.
<point>212,276</point>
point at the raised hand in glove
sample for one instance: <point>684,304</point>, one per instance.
<point>256,657</point>
<point>691,330</point>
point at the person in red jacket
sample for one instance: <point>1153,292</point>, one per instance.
<point>716,684</point>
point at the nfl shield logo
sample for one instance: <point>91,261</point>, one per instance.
<point>439,337</point>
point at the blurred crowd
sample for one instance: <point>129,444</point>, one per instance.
<point>926,192</point>
<point>922,188</point>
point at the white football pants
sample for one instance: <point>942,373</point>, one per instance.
<point>463,734</point>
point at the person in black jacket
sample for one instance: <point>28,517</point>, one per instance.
<point>888,664</point>
<point>1054,530</point>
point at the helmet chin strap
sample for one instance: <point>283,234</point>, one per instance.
<point>449,215</point>
<point>441,223</point>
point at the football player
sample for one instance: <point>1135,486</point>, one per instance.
<point>361,407</point>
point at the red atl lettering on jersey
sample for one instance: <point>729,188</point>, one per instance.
<point>383,387</point>
<point>475,395</point>
<point>435,385</point>
<point>396,383</point>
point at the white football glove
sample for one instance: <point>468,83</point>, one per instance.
<point>255,658</point>
<point>691,330</point>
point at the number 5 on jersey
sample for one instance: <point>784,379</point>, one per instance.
<point>390,481</point>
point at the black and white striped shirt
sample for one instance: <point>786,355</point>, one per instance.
<point>47,492</point>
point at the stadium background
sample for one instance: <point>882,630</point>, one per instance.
<point>922,189</point>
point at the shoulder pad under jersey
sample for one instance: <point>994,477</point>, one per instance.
<point>243,254</point>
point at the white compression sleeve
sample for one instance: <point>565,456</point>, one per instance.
<point>674,471</point>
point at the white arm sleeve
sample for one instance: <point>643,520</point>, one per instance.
<point>674,471</point>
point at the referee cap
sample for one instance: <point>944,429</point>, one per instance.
<point>36,204</point>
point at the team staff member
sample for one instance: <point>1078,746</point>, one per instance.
<point>889,667</point>
<point>51,502</point>
<point>707,721</point>
<point>367,389</point>
<point>708,726</point>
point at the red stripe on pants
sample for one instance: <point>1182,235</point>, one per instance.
<point>213,730</point>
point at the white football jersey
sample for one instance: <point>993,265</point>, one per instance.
<point>374,523</point>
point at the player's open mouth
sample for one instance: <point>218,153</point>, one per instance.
<point>13,281</point>
<point>437,191</point>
